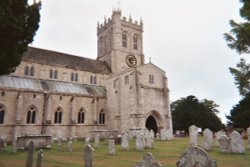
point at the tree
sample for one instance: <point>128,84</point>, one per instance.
<point>239,36</point>
<point>240,114</point>
<point>190,111</point>
<point>242,76</point>
<point>18,25</point>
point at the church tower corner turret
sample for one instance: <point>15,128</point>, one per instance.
<point>120,42</point>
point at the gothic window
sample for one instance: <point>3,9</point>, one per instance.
<point>126,80</point>
<point>31,116</point>
<point>102,117</point>
<point>93,79</point>
<point>53,74</point>
<point>58,116</point>
<point>101,47</point>
<point>151,79</point>
<point>74,76</point>
<point>81,116</point>
<point>124,39</point>
<point>135,42</point>
<point>29,71</point>
<point>2,112</point>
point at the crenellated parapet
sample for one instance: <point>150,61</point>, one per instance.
<point>117,19</point>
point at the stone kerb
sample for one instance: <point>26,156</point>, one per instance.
<point>195,156</point>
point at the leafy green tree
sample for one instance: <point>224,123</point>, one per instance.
<point>190,111</point>
<point>242,76</point>
<point>239,36</point>
<point>240,114</point>
<point>18,24</point>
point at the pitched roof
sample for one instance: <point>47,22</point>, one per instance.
<point>47,57</point>
<point>31,84</point>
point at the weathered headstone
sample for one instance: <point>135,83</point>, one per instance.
<point>1,145</point>
<point>69,146</point>
<point>87,140</point>
<point>97,140</point>
<point>150,139</point>
<point>248,136</point>
<point>30,154</point>
<point>125,141</point>
<point>39,158</point>
<point>59,141</point>
<point>224,144</point>
<point>237,144</point>
<point>195,157</point>
<point>207,139</point>
<point>157,136</point>
<point>169,134</point>
<point>111,145</point>
<point>139,142</point>
<point>148,161</point>
<point>88,160</point>
<point>193,135</point>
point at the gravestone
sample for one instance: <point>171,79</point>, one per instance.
<point>1,145</point>
<point>59,141</point>
<point>150,139</point>
<point>111,145</point>
<point>97,140</point>
<point>30,154</point>
<point>69,146</point>
<point>125,141</point>
<point>224,144</point>
<point>139,142</point>
<point>88,160</point>
<point>207,139</point>
<point>169,134</point>
<point>157,136</point>
<point>87,140</point>
<point>237,144</point>
<point>39,158</point>
<point>163,134</point>
<point>195,156</point>
<point>193,135</point>
<point>248,136</point>
<point>148,161</point>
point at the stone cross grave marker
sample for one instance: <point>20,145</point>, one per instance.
<point>195,156</point>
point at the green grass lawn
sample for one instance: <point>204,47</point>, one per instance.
<point>166,152</point>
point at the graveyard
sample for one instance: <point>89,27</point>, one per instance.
<point>165,152</point>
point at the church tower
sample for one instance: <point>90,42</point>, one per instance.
<point>120,42</point>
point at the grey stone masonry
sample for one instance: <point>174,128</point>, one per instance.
<point>30,154</point>
<point>148,161</point>
<point>39,158</point>
<point>195,157</point>
<point>88,159</point>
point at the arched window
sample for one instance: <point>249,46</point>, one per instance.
<point>58,116</point>
<point>31,71</point>
<point>102,117</point>
<point>31,115</point>
<point>81,116</point>
<point>53,74</point>
<point>26,71</point>
<point>2,112</point>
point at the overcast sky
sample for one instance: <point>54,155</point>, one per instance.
<point>184,38</point>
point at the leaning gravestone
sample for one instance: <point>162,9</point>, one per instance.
<point>39,158</point>
<point>125,141</point>
<point>195,157</point>
<point>97,140</point>
<point>248,136</point>
<point>30,153</point>
<point>148,161</point>
<point>224,144</point>
<point>111,145</point>
<point>237,144</point>
<point>193,135</point>
<point>88,160</point>
<point>207,139</point>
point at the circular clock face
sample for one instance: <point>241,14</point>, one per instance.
<point>131,61</point>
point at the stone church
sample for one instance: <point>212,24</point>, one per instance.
<point>63,95</point>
